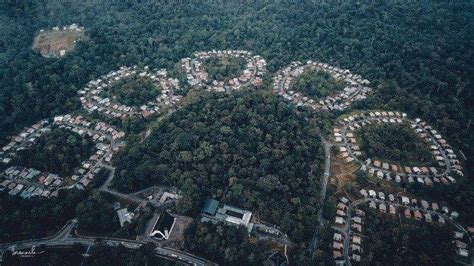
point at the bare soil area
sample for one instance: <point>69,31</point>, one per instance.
<point>176,237</point>
<point>342,172</point>
<point>51,43</point>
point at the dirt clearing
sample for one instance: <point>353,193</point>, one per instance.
<point>56,43</point>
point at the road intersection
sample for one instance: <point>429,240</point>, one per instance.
<point>67,237</point>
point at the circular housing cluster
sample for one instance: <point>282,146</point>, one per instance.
<point>32,182</point>
<point>198,76</point>
<point>355,87</point>
<point>92,100</point>
<point>445,157</point>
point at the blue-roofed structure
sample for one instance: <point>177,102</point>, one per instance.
<point>210,207</point>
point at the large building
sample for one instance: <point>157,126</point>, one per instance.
<point>164,226</point>
<point>124,216</point>
<point>211,212</point>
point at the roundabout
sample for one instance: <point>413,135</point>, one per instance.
<point>230,125</point>
<point>446,165</point>
<point>354,88</point>
<point>98,94</point>
<point>251,72</point>
<point>34,182</point>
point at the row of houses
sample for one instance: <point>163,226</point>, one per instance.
<point>101,133</point>
<point>197,76</point>
<point>428,213</point>
<point>26,138</point>
<point>387,203</point>
<point>462,246</point>
<point>350,151</point>
<point>408,212</point>
<point>92,98</point>
<point>72,27</point>
<point>29,182</point>
<point>356,87</point>
<point>355,240</point>
<point>405,200</point>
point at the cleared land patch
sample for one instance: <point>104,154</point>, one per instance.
<point>342,172</point>
<point>56,43</point>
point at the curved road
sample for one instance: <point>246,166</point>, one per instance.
<point>65,238</point>
<point>346,231</point>
<point>361,162</point>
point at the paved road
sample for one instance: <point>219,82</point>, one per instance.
<point>149,227</point>
<point>351,154</point>
<point>346,230</point>
<point>105,187</point>
<point>202,83</point>
<point>327,167</point>
<point>65,238</point>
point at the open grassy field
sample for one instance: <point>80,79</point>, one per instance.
<point>51,43</point>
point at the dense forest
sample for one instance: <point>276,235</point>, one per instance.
<point>133,91</point>
<point>394,143</point>
<point>59,151</point>
<point>418,56</point>
<point>392,242</point>
<point>317,84</point>
<point>248,148</point>
<point>96,215</point>
<point>36,217</point>
<point>226,245</point>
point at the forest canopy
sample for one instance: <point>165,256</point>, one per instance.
<point>417,54</point>
<point>36,217</point>
<point>59,151</point>
<point>248,148</point>
<point>226,245</point>
<point>317,84</point>
<point>396,143</point>
<point>393,242</point>
<point>133,91</point>
<point>225,67</point>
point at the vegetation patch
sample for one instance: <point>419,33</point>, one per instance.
<point>59,151</point>
<point>97,216</point>
<point>133,91</point>
<point>225,67</point>
<point>317,84</point>
<point>248,149</point>
<point>410,242</point>
<point>395,143</point>
<point>223,244</point>
<point>36,217</point>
